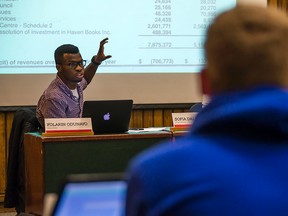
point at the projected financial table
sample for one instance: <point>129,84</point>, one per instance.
<point>144,36</point>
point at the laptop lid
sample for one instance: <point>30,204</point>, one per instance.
<point>91,194</point>
<point>108,116</point>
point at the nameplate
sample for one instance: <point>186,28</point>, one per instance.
<point>183,120</point>
<point>68,126</point>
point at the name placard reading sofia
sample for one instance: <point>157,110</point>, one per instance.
<point>68,126</point>
<point>183,119</point>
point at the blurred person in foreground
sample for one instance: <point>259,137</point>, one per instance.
<point>63,98</point>
<point>234,159</point>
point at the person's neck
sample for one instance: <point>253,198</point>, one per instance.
<point>70,85</point>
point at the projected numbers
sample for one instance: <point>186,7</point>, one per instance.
<point>159,26</point>
<point>162,18</point>
<point>202,60</point>
<point>170,40</point>
<point>161,61</point>
<point>159,45</point>
<point>162,1</point>
<point>208,10</point>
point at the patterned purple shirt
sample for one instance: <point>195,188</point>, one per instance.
<point>57,101</point>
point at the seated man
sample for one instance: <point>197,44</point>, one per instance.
<point>64,96</point>
<point>234,159</point>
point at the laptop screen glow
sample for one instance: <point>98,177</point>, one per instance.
<point>92,198</point>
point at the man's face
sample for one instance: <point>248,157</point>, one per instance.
<point>71,69</point>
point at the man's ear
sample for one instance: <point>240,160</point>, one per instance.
<point>206,87</point>
<point>58,67</point>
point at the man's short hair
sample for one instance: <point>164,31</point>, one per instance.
<point>65,48</point>
<point>247,46</point>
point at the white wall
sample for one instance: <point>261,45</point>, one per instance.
<point>258,2</point>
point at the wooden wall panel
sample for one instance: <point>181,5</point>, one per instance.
<point>167,118</point>
<point>273,2</point>
<point>136,119</point>
<point>158,118</point>
<point>282,4</point>
<point>2,155</point>
<point>148,118</point>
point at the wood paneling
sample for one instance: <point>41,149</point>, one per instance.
<point>136,119</point>
<point>282,4</point>
<point>158,118</point>
<point>2,154</point>
<point>6,119</point>
<point>148,116</point>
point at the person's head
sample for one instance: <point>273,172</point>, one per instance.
<point>247,47</point>
<point>69,64</point>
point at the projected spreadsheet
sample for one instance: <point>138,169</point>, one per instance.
<point>144,36</point>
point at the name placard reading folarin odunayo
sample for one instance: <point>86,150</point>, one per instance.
<point>183,119</point>
<point>62,125</point>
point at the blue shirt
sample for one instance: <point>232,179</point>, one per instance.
<point>58,101</point>
<point>233,162</point>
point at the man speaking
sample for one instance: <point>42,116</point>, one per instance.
<point>64,96</point>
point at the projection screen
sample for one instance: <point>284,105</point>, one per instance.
<point>156,46</point>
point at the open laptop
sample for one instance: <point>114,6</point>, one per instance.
<point>108,116</point>
<point>91,194</point>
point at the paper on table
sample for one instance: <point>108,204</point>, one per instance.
<point>150,129</point>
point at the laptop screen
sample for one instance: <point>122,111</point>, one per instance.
<point>92,198</point>
<point>108,116</point>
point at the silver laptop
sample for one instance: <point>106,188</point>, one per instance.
<point>91,194</point>
<point>108,116</point>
